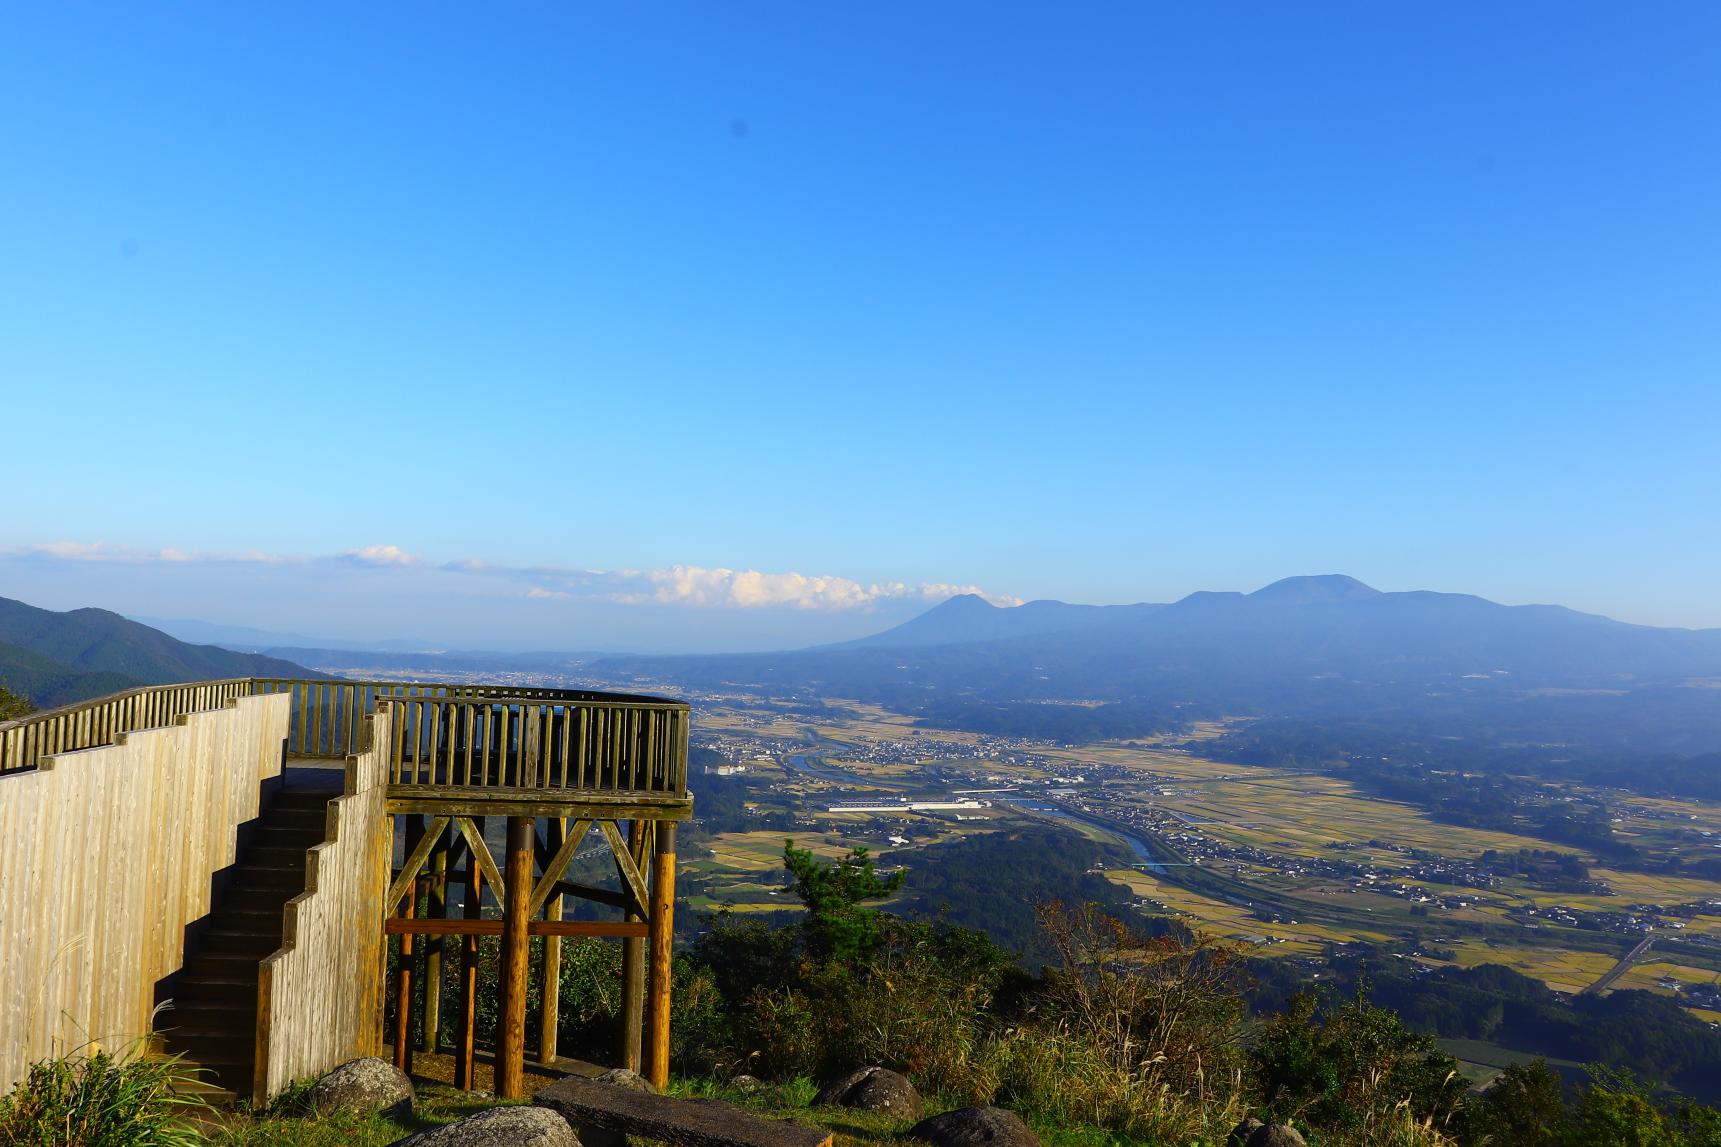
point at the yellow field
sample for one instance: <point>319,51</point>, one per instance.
<point>1561,970</point>
<point>1284,812</point>
<point>1231,921</point>
<point>1647,974</point>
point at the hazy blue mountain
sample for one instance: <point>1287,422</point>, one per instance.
<point>53,658</point>
<point>970,617</point>
<point>1327,649</point>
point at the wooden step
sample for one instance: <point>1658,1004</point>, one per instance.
<point>277,856</point>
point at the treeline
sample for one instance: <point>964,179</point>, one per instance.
<point>991,882</point>
<point>1650,1033</point>
<point>1137,1037</point>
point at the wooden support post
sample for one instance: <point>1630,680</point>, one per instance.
<point>550,1015</point>
<point>435,945</point>
<point>403,990</point>
<point>403,985</point>
<point>662,953</point>
<point>633,961</point>
<point>471,910</point>
<point>511,1023</point>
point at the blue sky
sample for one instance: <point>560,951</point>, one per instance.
<point>1108,302</point>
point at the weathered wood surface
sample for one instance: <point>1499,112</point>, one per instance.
<point>320,996</point>
<point>662,924</point>
<point>683,1122</point>
<point>461,800</point>
<point>110,855</point>
<point>93,724</point>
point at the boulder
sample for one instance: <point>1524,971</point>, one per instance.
<point>872,1089</point>
<point>622,1077</point>
<point>1276,1135</point>
<point>364,1087</point>
<point>1239,1136</point>
<point>975,1127</point>
<point>747,1084</point>
<point>499,1127</point>
<point>591,1135</point>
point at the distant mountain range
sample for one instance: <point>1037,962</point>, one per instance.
<point>970,617</point>
<point>1328,649</point>
<point>57,658</point>
<point>1329,624</point>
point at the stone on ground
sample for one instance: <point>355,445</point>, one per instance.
<point>975,1127</point>
<point>499,1127</point>
<point>1239,1136</point>
<point>1276,1135</point>
<point>872,1089</point>
<point>747,1084</point>
<point>364,1087</point>
<point>622,1077</point>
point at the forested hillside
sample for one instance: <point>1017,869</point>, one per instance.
<point>58,658</point>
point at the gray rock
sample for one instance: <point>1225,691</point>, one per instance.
<point>747,1084</point>
<point>1239,1136</point>
<point>872,1089</point>
<point>594,1136</point>
<point>975,1127</point>
<point>363,1087</point>
<point>1276,1135</point>
<point>499,1127</point>
<point>622,1077</point>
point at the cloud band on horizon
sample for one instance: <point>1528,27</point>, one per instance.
<point>679,585</point>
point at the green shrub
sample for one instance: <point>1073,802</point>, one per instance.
<point>98,1101</point>
<point>13,706</point>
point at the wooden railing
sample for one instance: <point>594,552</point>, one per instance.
<point>498,736</point>
<point>636,745</point>
<point>467,736</point>
<point>92,724</point>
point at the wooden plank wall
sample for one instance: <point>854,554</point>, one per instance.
<point>320,997</point>
<point>109,854</point>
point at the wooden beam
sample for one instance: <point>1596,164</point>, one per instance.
<point>511,1022</point>
<point>662,954</point>
<point>464,1064</point>
<point>639,834</point>
<point>603,929</point>
<point>592,804</point>
<point>414,862</point>
<point>403,994</point>
<point>558,864</point>
<point>630,874</point>
<point>438,907</point>
<point>550,999</point>
<point>597,895</point>
<point>481,852</point>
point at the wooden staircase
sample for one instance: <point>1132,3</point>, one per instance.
<point>212,1024</point>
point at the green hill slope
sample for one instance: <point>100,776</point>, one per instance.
<point>57,658</point>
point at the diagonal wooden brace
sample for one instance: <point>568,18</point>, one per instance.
<point>557,865</point>
<point>414,863</point>
<point>630,874</point>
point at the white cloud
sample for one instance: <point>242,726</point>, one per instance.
<point>383,556</point>
<point>688,586</point>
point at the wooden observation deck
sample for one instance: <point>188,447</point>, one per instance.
<point>416,778</point>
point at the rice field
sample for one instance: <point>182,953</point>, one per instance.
<point>1285,813</point>
<point>1233,921</point>
<point>1564,971</point>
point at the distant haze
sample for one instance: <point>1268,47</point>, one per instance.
<point>383,598</point>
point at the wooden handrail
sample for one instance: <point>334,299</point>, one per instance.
<point>471,736</point>
<point>100,721</point>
